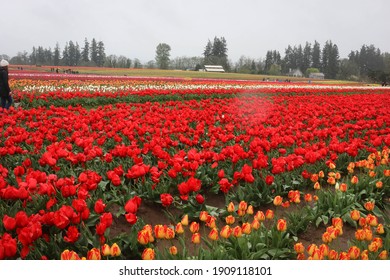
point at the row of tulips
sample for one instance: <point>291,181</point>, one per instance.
<point>65,172</point>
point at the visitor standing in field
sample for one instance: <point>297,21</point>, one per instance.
<point>5,91</point>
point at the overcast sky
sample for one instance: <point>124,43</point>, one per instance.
<point>134,28</point>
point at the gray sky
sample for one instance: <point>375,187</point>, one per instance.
<point>134,28</point>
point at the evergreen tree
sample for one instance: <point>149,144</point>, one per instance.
<point>216,53</point>
<point>330,60</point>
<point>65,55</point>
<point>77,54</point>
<point>316,56</point>
<point>299,57</point>
<point>101,55</point>
<point>56,56</point>
<point>94,51</point>
<point>208,53</point>
<point>71,53</point>
<point>306,61</point>
<point>85,51</point>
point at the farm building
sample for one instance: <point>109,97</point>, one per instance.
<point>295,73</point>
<point>214,68</point>
<point>319,76</point>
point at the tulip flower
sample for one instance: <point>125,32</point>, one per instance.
<point>148,254</point>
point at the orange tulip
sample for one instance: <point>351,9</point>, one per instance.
<point>69,255</point>
<point>230,220</point>
<point>148,254</point>
<point>317,186</point>
<point>179,228</point>
<point>213,235</point>
<point>379,184</point>
<point>211,222</point>
<point>184,220</point>
<point>369,205</point>
<point>159,231</point>
<point>169,233</point>
<point>354,253</point>
<point>333,255</point>
<point>260,216</point>
<point>94,254</point>
<point>230,207</point>
<point>380,229</point>
<point>242,205</point>
<point>383,255</point>
<point>372,220</point>
<point>249,210</point>
<point>115,250</point>
<point>106,250</point>
<point>281,225</point>
<point>373,246</point>
<point>299,248</point>
<point>195,238</point>
<point>343,187</point>
<point>194,227</point>
<point>225,231</point>
<point>355,215</point>
<point>278,200</point>
<point>143,237</point>
<point>255,224</point>
<point>237,231</point>
<point>269,214</point>
<point>355,180</point>
<point>246,228</point>
<point>203,216</point>
<point>173,250</point>
<point>337,222</point>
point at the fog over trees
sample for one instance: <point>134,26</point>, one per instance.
<point>365,63</point>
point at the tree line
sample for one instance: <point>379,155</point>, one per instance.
<point>367,63</point>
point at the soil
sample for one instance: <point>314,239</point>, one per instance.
<point>154,214</point>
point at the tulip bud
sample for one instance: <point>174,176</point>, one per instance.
<point>203,216</point>
<point>225,231</point>
<point>354,252</point>
<point>281,225</point>
<point>299,248</point>
<point>249,211</point>
<point>173,250</point>
<point>269,214</point>
<point>106,250</point>
<point>159,231</point>
<point>237,231</point>
<point>260,216</point>
<point>383,255</point>
<point>246,228</point>
<point>184,220</point>
<point>94,254</point>
<point>148,254</point>
<point>213,235</point>
<point>380,229</point>
<point>278,200</point>
<point>255,224</point>
<point>355,215</point>
<point>169,233</point>
<point>194,227</point>
<point>230,220</point>
<point>69,255</point>
<point>179,228</point>
<point>115,250</point>
<point>230,207</point>
<point>195,238</point>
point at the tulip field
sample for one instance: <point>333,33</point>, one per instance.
<point>105,167</point>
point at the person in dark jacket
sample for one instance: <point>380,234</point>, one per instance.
<point>5,91</point>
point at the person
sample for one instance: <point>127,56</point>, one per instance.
<point>5,91</point>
